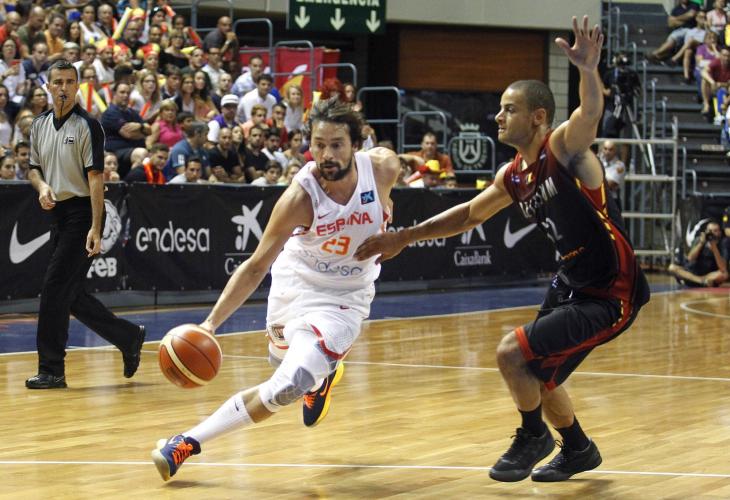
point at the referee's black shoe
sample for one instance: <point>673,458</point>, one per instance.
<point>568,462</point>
<point>526,451</point>
<point>46,381</point>
<point>131,358</point>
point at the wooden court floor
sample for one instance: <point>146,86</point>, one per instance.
<point>420,413</point>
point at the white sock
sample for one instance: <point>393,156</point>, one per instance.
<point>231,415</point>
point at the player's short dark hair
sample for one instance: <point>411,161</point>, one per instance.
<point>332,110</point>
<point>61,65</point>
<point>538,95</point>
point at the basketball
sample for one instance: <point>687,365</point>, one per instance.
<point>189,356</point>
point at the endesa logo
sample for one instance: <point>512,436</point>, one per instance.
<point>355,219</point>
<point>172,239</point>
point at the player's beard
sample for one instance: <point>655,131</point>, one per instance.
<point>338,174</point>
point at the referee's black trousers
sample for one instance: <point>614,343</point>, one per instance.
<point>63,291</point>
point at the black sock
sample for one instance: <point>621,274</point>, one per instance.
<point>574,437</point>
<point>532,421</point>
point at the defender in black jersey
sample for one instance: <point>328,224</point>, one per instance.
<point>558,183</point>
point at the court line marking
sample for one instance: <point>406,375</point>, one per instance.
<point>685,306</point>
<point>347,466</point>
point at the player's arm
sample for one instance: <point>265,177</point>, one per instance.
<point>453,221</point>
<point>577,134</point>
<point>386,168</point>
<point>293,209</point>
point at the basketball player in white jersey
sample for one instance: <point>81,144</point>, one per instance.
<point>319,293</point>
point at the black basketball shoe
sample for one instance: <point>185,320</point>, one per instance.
<point>568,462</point>
<point>46,381</point>
<point>526,450</point>
<point>131,358</point>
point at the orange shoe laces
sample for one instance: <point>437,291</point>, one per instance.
<point>181,452</point>
<point>309,399</point>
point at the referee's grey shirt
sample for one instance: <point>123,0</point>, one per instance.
<point>65,150</point>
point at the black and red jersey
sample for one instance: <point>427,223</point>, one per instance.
<point>595,256</point>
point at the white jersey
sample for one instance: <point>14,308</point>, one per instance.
<point>322,254</point>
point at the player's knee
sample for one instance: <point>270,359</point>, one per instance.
<point>508,351</point>
<point>285,390</point>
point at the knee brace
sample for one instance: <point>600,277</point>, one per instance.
<point>281,390</point>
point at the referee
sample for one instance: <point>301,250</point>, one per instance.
<point>66,168</point>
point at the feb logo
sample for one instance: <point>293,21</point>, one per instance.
<point>468,150</point>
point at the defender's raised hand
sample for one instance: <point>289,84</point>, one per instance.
<point>586,51</point>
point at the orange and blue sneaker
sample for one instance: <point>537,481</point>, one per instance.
<point>171,453</point>
<point>317,403</point>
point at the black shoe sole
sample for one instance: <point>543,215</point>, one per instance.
<point>514,475</point>
<point>554,476</point>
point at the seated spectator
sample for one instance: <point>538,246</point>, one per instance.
<point>105,20</point>
<point>704,55</point>
<point>715,77</point>
<point>448,181</point>
<point>166,129</point>
<point>6,126</point>
<point>205,109</point>
<point>247,81</point>
<point>151,169</point>
<point>615,171</point>
<point>104,62</point>
<point>225,164</point>
<point>294,100</point>
<point>717,18</point>
<point>693,39</point>
<point>227,117</point>
<point>23,121</point>
<point>254,161</point>
<point>7,168</point>
<point>277,121</point>
<point>260,95</point>
<point>88,56</point>
<point>111,168</point>
<point>38,102</point>
<point>223,89</point>
<point>429,151</point>
<point>31,32</point>
<point>185,120</point>
<point>185,99</point>
<point>173,54</point>
<point>350,97</point>
<point>271,147</point>
<point>271,175</point>
<point>192,172</point>
<point>289,172</point>
<point>12,71</point>
<point>258,118</point>
<point>681,20</point>
<point>222,38</point>
<point>125,130</point>
<point>54,36</point>
<point>171,86</point>
<point>21,151</point>
<point>706,260</point>
<point>191,145</point>
<point>430,175</point>
<point>214,66</point>
<point>89,96</point>
<point>37,65</point>
<point>145,98</point>
<point>8,107</point>
<point>9,30</point>
<point>91,33</point>
<point>196,61</point>
<point>294,140</point>
<point>72,35</point>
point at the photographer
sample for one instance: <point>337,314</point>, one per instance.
<point>707,259</point>
<point>621,86</point>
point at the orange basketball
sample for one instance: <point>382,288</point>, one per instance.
<point>189,356</point>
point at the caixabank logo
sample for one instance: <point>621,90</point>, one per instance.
<point>247,225</point>
<point>473,251</point>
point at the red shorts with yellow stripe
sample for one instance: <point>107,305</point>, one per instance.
<point>567,328</point>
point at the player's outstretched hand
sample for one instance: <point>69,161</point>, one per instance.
<point>586,51</point>
<point>387,245</point>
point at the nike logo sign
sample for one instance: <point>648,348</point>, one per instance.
<point>21,251</point>
<point>326,386</point>
<point>511,239</point>
<point>322,216</point>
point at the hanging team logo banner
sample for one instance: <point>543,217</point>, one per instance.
<point>468,150</point>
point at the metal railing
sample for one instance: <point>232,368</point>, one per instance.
<point>423,114</point>
<point>396,120</point>
<point>270,36</point>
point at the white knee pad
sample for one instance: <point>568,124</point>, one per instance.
<point>303,369</point>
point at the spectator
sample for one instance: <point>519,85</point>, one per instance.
<point>185,99</point>
<point>11,70</point>
<point>213,67</point>
<point>151,169</point>
<point>21,150</point>
<point>222,38</point>
<point>204,107</point>
<point>331,87</point>
<point>32,31</point>
<point>38,101</point>
<point>145,97</point>
<point>37,65</point>
<point>165,130</point>
<point>88,56</point>
<point>22,127</point>
<point>260,95</point>
<point>430,175</point>
<point>54,36</point>
<point>403,174</point>
<point>150,58</point>
<point>294,118</point>
<point>291,170</point>
<point>693,39</point>
<point>621,85</point>
<point>104,62</point>
<point>191,145</point>
<point>448,181</point>
<point>715,77</point>
<point>429,151</point>
<point>111,168</point>
<point>614,171</point>
<point>258,117</point>
<point>704,55</point>
<point>105,22</point>
<point>271,174</point>
<point>185,120</point>
<point>706,260</point>
<point>157,25</point>
<point>7,107</point>
<point>196,62</point>
<point>88,96</point>
<point>125,130</point>
<point>227,117</point>
<point>255,160</point>
<point>154,35</point>
<point>225,164</point>
<point>173,54</point>
<point>294,140</point>
<point>171,87</point>
<point>191,174</point>
<point>7,168</point>
<point>223,89</point>
<point>130,40</point>
<point>246,82</point>
<point>350,97</point>
<point>73,33</point>
<point>681,20</point>
<point>271,147</point>
<point>277,121</point>
<point>717,18</point>
<point>9,30</point>
<point>91,33</point>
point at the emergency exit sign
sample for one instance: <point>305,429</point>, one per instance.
<point>340,16</point>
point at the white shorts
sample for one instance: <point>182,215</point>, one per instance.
<point>335,316</point>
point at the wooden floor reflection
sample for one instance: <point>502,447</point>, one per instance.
<point>421,412</point>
